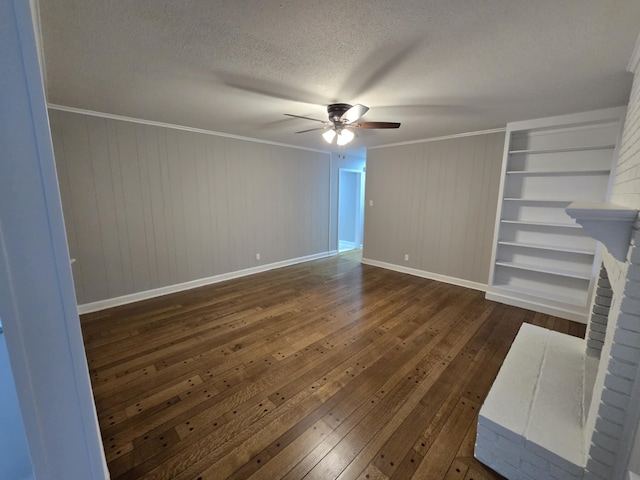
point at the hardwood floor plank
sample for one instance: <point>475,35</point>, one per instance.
<point>372,473</point>
<point>285,458</point>
<point>320,368</point>
<point>457,471</point>
<point>474,474</point>
<point>395,406</point>
<point>327,369</point>
<point>432,410</point>
<point>419,349</point>
<point>436,462</point>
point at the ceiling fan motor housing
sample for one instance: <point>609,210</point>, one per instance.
<point>336,110</point>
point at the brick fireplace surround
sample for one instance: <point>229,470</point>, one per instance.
<point>596,425</point>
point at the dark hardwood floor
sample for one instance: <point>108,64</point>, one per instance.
<point>327,369</point>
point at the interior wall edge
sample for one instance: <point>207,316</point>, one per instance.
<point>461,282</point>
<point>180,287</point>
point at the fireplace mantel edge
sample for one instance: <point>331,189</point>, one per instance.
<point>608,223</point>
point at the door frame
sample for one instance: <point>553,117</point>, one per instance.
<point>359,220</point>
<point>37,297</point>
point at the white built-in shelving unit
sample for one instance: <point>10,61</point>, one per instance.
<point>542,260</point>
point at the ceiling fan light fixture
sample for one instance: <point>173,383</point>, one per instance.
<point>329,135</point>
<point>342,118</point>
<point>345,136</point>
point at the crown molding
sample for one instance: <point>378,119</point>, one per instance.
<point>445,137</point>
<point>153,123</point>
<point>111,116</point>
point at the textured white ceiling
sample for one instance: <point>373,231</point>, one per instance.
<point>438,66</point>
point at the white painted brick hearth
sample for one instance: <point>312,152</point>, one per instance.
<point>535,433</point>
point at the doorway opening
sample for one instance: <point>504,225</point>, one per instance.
<point>16,462</point>
<point>350,209</point>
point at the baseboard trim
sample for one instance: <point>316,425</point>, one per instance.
<point>180,287</point>
<point>461,282</point>
<point>536,307</point>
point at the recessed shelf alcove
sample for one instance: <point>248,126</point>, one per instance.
<point>542,260</point>
<point>606,222</point>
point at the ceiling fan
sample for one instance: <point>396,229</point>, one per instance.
<point>342,119</point>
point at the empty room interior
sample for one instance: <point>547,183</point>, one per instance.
<point>320,240</point>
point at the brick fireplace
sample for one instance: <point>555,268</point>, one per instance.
<point>566,408</point>
<point>612,418</point>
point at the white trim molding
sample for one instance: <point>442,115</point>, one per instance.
<point>153,123</point>
<point>201,282</point>
<point>575,120</point>
<point>461,282</point>
<point>46,352</point>
<point>495,294</point>
<point>445,137</point>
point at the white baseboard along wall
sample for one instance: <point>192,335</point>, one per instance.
<point>180,287</point>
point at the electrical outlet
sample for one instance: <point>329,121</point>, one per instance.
<point>371,203</point>
<point>257,256</point>
<point>406,257</point>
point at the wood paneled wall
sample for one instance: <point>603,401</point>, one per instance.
<point>436,202</point>
<point>148,206</point>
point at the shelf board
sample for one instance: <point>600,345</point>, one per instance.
<point>542,224</point>
<point>558,172</point>
<point>553,248</point>
<point>581,303</point>
<point>561,272</point>
<point>537,200</point>
<point>564,149</point>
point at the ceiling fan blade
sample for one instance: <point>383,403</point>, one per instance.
<point>354,113</point>
<point>376,125</point>
<point>377,66</point>
<point>306,118</point>
<point>312,129</point>
<point>266,88</point>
